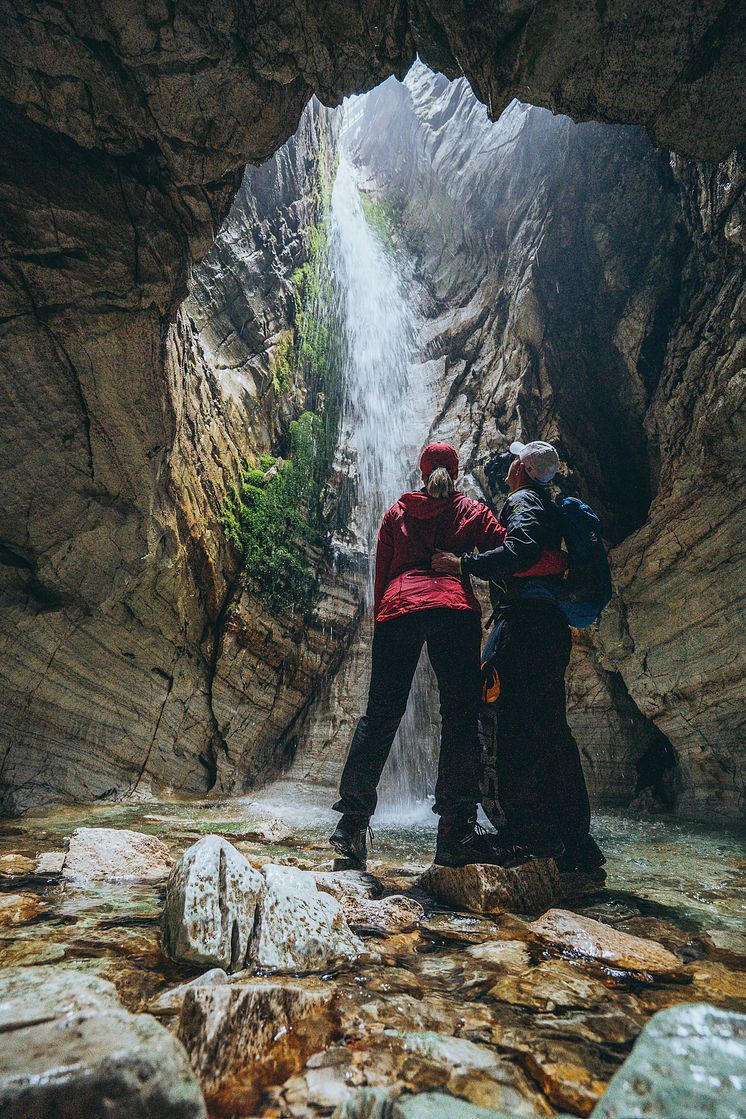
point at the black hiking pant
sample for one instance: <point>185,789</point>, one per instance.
<point>453,639</point>
<point>540,783</point>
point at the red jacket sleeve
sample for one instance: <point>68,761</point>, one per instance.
<point>384,554</point>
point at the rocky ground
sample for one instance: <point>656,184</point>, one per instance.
<point>297,989</point>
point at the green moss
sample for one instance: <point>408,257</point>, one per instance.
<point>268,520</point>
<point>383,219</point>
<point>283,366</point>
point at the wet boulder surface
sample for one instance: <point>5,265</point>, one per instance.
<point>475,1014</point>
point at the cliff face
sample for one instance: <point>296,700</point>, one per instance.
<point>108,684</point>
<point>586,289</point>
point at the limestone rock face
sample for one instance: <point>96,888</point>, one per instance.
<point>300,928</point>
<point>211,904</point>
<point>583,936</point>
<point>116,855</point>
<point>69,1048</point>
<point>529,888</point>
<point>707,1049</point>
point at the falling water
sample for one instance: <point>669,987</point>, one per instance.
<point>378,304</point>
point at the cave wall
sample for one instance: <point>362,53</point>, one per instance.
<point>120,665</point>
<point>586,288</point>
<point>126,131</point>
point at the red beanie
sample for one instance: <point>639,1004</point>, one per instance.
<point>439,454</point>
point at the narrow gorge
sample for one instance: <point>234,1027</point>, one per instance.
<point>255,259</point>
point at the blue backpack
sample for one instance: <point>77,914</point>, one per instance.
<point>587,589</point>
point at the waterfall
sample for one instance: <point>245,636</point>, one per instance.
<point>378,303</point>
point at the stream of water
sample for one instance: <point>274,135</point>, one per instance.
<point>378,298</point>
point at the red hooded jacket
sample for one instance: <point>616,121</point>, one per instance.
<point>411,531</point>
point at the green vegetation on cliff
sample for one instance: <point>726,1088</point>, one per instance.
<point>267,520</point>
<point>275,516</point>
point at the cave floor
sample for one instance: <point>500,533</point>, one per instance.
<point>557,1027</point>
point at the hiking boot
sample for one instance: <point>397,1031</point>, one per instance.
<point>585,856</point>
<point>461,842</point>
<point>349,839</point>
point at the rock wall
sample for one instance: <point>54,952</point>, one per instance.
<point>120,666</point>
<point>126,132</point>
<point>586,289</point>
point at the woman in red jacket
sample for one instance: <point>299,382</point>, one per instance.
<point>416,606</point>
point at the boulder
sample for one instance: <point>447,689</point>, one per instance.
<point>376,1103</point>
<point>50,863</point>
<point>688,1063</point>
<point>582,936</point>
<point>70,1049</point>
<point>529,888</point>
<point>385,917</point>
<point>300,928</point>
<point>211,905</point>
<point>244,1036</point>
<point>115,855</point>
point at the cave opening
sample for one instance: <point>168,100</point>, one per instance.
<point>254,258</point>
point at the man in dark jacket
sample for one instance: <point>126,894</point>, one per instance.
<point>541,787</point>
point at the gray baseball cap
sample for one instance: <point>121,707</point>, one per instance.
<point>540,459</point>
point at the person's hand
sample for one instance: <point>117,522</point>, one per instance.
<point>446,563</point>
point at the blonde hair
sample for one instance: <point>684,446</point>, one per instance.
<point>440,483</point>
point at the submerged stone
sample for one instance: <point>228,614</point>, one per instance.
<point>212,898</point>
<point>582,936</point>
<point>171,1001</point>
<point>17,909</point>
<point>688,1063</point>
<point>115,855</point>
<point>242,1037</point>
<point>299,928</point>
<point>70,1048</point>
<point>482,888</point>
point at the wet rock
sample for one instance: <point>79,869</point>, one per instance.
<point>50,863</point>
<point>552,985</point>
<point>242,1037</point>
<point>16,866</point>
<point>390,915</point>
<point>348,884</point>
<point>16,909</point>
<point>299,927</point>
<point>582,936</point>
<point>578,885</point>
<point>115,855</point>
<point>464,928</point>
<point>686,945</point>
<point>211,905</point>
<point>505,955</point>
<point>69,1049</point>
<point>170,1001</point>
<point>428,1104</point>
<point>566,1074</point>
<point>688,1063</point>
<point>530,888</point>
